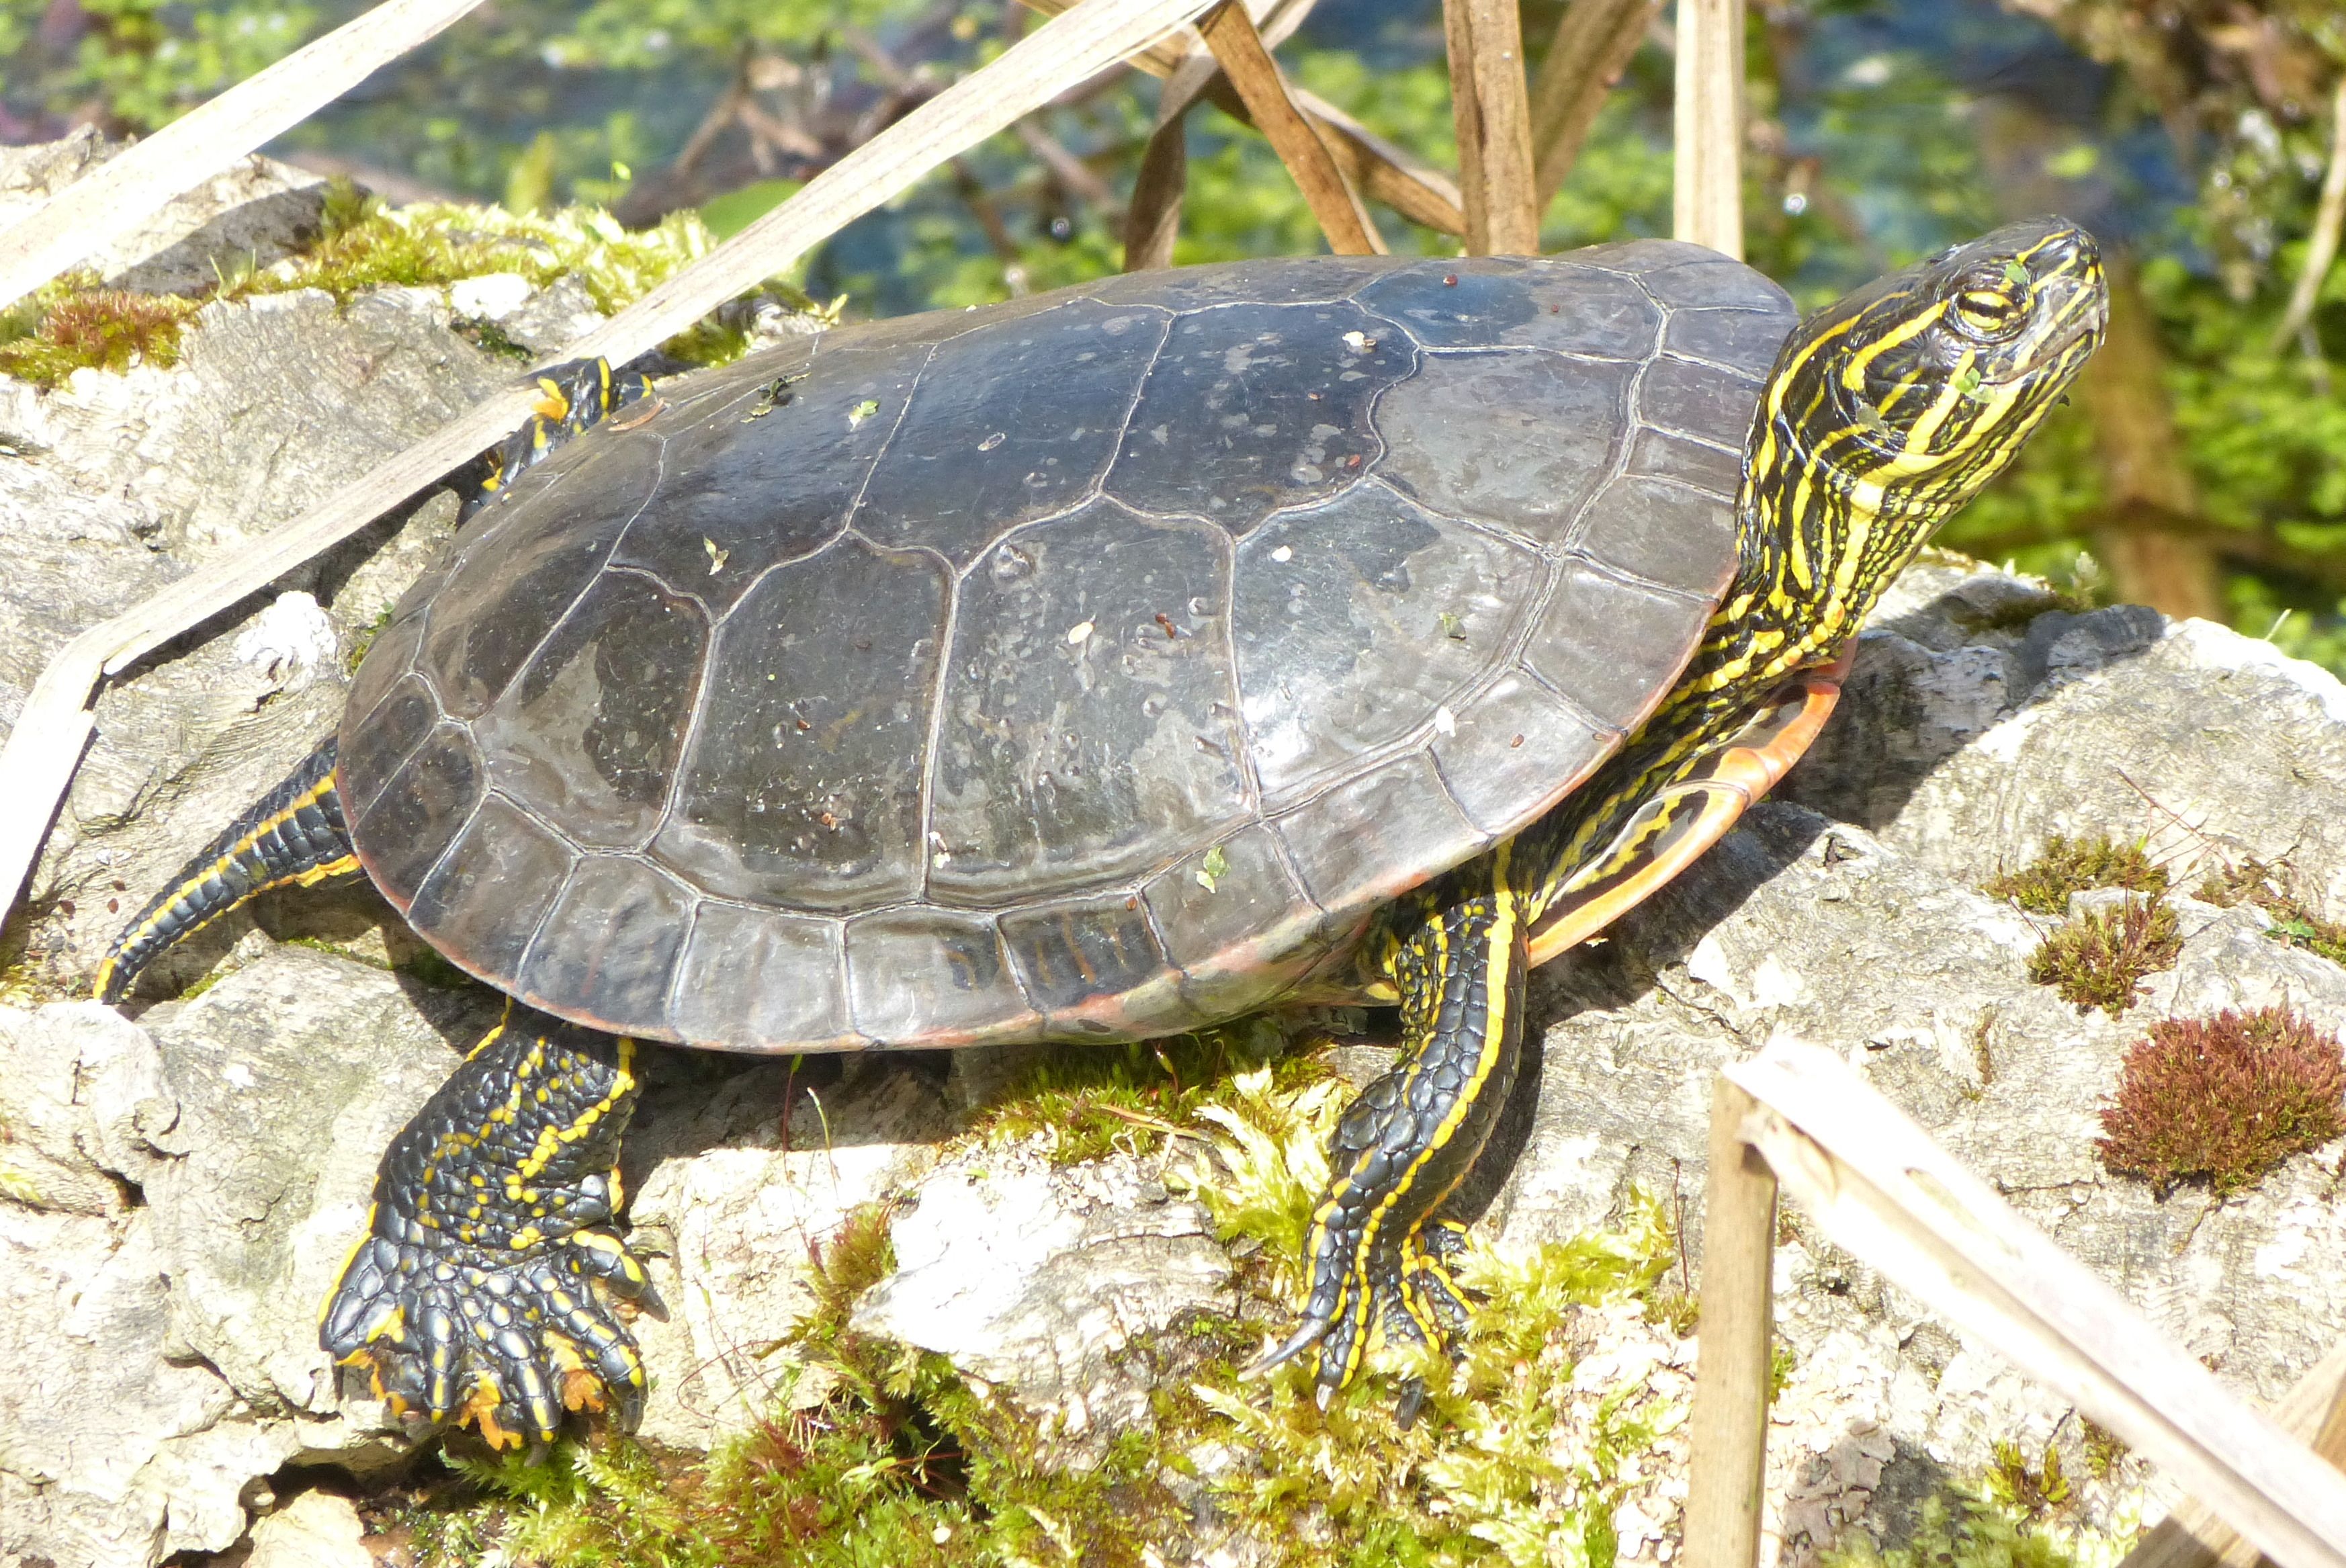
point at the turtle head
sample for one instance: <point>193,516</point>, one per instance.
<point>1921,385</point>
<point>1889,409</point>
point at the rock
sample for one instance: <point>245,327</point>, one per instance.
<point>1968,738</point>
<point>1800,925</point>
<point>291,1077</point>
<point>251,214</point>
<point>117,1446</point>
<point>316,1530</point>
<point>1040,1279</point>
<point>737,1185</point>
<point>130,481</point>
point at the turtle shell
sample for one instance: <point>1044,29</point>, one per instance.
<point>1091,666</point>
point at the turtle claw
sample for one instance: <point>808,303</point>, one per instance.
<point>505,1346</point>
<point>1313,1330</point>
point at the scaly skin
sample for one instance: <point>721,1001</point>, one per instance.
<point>483,1288</point>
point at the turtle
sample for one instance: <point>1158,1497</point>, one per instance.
<point>1095,666</point>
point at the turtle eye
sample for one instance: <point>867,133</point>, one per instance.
<point>1988,308</point>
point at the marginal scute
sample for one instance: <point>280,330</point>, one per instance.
<point>1516,740</point>
<point>1663,532</point>
<point>1503,301</point>
<point>491,892</point>
<point>931,977</point>
<point>1697,400</point>
<point>802,785</point>
<point>426,802</point>
<point>1664,455</point>
<point>1354,621</point>
<point>1358,845</point>
<point>1744,341</point>
<point>1068,954</point>
<point>590,733</point>
<point>1525,437</point>
<point>1090,731</point>
<point>606,953</point>
<point>1012,422</point>
<point>1611,645</point>
<point>377,737</point>
<point>1230,915</point>
<point>531,562</point>
<point>1255,407</point>
<point>1275,280</point>
<point>762,980</point>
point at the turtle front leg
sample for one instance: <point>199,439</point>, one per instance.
<point>1378,1258</point>
<point>483,1288</point>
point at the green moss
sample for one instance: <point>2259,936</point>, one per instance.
<point>2274,887</point>
<point>2102,960</point>
<point>2031,1491</point>
<point>2066,867</point>
<point>1088,1102</point>
<point>2224,1100</point>
<point>366,640</point>
<point>1957,1532</point>
<point>362,244</point>
<point>903,1464</point>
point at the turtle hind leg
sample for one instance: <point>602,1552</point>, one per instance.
<point>292,836</point>
<point>482,1289</point>
<point>1376,1254</point>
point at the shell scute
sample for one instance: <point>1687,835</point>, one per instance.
<point>967,464</point>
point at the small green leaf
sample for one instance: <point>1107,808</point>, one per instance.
<point>1451,626</point>
<point>862,412</point>
<point>1210,870</point>
<point>2015,276</point>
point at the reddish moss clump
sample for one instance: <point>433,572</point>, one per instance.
<point>2224,1099</point>
<point>106,329</point>
<point>2101,959</point>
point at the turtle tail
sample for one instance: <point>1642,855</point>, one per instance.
<point>292,835</point>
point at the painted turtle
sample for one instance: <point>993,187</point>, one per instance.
<point>1100,666</point>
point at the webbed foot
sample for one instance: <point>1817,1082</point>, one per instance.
<point>484,1290</point>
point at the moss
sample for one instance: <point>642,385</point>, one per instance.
<point>366,640</point>
<point>2066,867</point>
<point>903,1463</point>
<point>73,324</point>
<point>2031,1491</point>
<point>2102,960</point>
<point>2223,1100</point>
<point>362,244</point>
<point>1957,1532</point>
<point>1087,1102</point>
<point>2274,887</point>
<point>2104,1449</point>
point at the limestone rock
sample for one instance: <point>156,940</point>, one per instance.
<point>1039,1279</point>
<point>251,214</point>
<point>316,1530</point>
<point>117,1446</point>
<point>1969,735</point>
<point>291,1076</point>
<point>737,1185</point>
